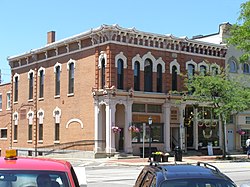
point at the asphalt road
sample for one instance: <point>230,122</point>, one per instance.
<point>125,176</point>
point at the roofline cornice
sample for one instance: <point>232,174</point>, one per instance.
<point>108,31</point>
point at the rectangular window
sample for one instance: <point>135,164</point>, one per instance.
<point>231,119</point>
<point>15,132</point>
<point>157,135</point>
<point>3,133</point>
<point>138,107</point>
<point>41,84</point>
<point>30,132</point>
<point>16,90</point>
<point>40,132</point>
<point>1,102</point>
<point>247,119</point>
<point>31,86</point>
<point>8,101</point>
<point>57,79</point>
<point>154,109</point>
<point>57,126</point>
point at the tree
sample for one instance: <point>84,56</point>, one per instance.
<point>226,96</point>
<point>240,32</point>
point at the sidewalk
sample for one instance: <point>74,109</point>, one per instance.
<point>185,160</point>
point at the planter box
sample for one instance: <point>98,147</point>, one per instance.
<point>157,158</point>
<point>164,158</point>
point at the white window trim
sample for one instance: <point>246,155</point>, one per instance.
<point>15,118</point>
<point>161,62</point>
<point>152,58</point>
<point>69,62</point>
<point>203,63</point>
<point>139,59</point>
<point>14,77</point>
<point>30,118</point>
<point>31,71</point>
<point>102,56</point>
<point>175,63</point>
<point>193,63</point>
<point>41,69</point>
<point>215,65</point>
<point>8,107</point>
<point>56,65</point>
<point>122,57</point>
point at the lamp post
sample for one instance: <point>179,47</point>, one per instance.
<point>150,123</point>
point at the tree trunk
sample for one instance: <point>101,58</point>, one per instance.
<point>224,154</point>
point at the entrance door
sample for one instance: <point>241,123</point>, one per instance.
<point>175,137</point>
<point>230,140</point>
<point>121,140</point>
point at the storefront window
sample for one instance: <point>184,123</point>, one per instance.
<point>208,133</point>
<point>136,107</point>
<point>156,133</point>
<point>154,108</point>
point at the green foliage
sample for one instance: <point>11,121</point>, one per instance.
<point>240,32</point>
<point>225,95</point>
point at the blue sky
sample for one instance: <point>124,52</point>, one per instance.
<point>24,23</point>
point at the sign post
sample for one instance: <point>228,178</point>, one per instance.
<point>143,139</point>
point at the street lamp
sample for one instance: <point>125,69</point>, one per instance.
<point>150,123</point>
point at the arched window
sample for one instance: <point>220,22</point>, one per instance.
<point>103,74</point>
<point>137,76</point>
<point>190,71</point>
<point>71,78</point>
<point>148,75</point>
<point>159,78</point>
<point>246,68</point>
<point>16,79</point>
<point>203,70</point>
<point>232,67</point>
<point>57,80</point>
<point>174,78</point>
<point>120,74</point>
<point>214,70</point>
<point>41,83</point>
<point>31,79</point>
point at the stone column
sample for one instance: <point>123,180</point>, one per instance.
<point>127,134</point>
<point>97,130</point>
<point>167,115</point>
<point>110,120</point>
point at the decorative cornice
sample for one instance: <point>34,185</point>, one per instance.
<point>131,36</point>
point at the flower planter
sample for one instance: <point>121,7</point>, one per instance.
<point>164,158</point>
<point>157,158</point>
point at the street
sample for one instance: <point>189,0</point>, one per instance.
<point>124,176</point>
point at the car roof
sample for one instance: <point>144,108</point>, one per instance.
<point>186,171</point>
<point>29,163</point>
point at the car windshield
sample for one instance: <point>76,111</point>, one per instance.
<point>197,183</point>
<point>31,178</point>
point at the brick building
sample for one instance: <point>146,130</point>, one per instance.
<point>77,91</point>
<point>5,115</point>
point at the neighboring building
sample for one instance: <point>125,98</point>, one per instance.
<point>5,116</point>
<point>238,71</point>
<point>77,91</point>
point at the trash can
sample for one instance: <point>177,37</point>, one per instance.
<point>178,153</point>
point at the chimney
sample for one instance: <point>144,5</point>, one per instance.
<point>51,36</point>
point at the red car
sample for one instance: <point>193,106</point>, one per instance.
<point>35,172</point>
